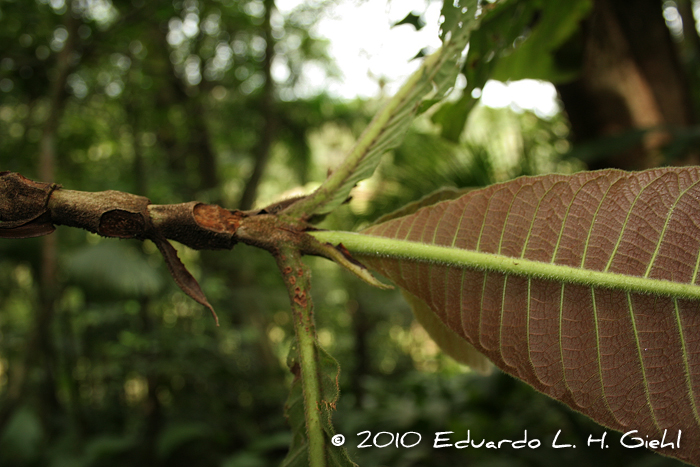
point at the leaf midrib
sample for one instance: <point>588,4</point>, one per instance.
<point>368,245</point>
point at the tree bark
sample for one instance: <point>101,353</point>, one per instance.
<point>631,79</point>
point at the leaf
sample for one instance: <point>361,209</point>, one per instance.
<point>517,40</point>
<point>182,276</point>
<point>298,455</point>
<point>427,85</point>
<point>108,270</point>
<point>412,19</point>
<point>315,387</point>
<point>175,435</point>
<point>36,227</point>
<point>494,38</point>
<point>544,54</point>
<point>441,194</point>
<point>584,286</point>
<point>22,439</point>
<point>449,341</point>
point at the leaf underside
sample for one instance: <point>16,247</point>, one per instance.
<point>630,361</point>
<point>182,276</point>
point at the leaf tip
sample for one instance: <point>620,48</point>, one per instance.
<point>182,276</point>
<point>213,313</point>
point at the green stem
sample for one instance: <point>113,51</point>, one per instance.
<point>367,245</point>
<point>297,278</point>
<point>356,165</point>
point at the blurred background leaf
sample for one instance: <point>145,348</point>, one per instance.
<point>111,269</point>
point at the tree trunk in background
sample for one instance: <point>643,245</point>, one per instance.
<point>172,96</point>
<point>690,47</point>
<point>200,145</point>
<point>262,150</point>
<point>41,347</point>
<point>691,40</point>
<point>139,167</point>
<point>48,291</point>
<point>631,79</point>
<point>153,409</point>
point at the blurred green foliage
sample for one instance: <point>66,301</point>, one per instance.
<point>163,99</point>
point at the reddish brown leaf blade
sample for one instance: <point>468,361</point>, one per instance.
<point>628,360</point>
<point>34,228</point>
<point>182,276</point>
